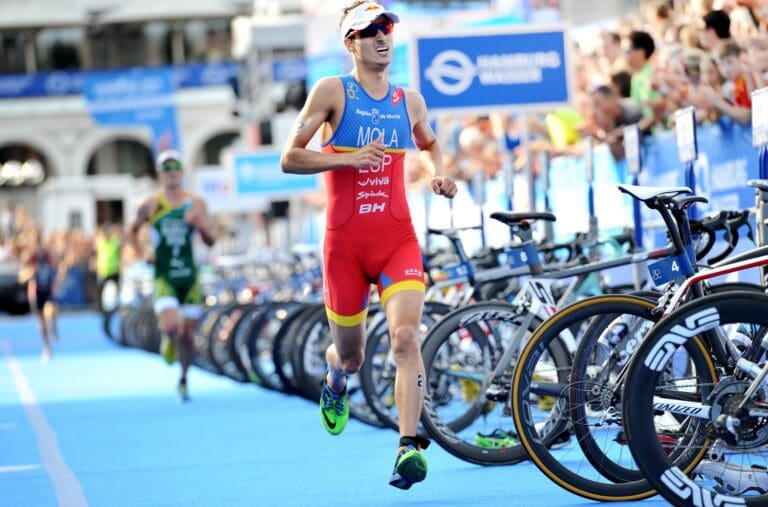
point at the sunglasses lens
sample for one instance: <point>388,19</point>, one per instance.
<point>372,29</point>
<point>171,165</point>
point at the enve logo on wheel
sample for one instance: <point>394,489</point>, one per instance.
<point>451,72</point>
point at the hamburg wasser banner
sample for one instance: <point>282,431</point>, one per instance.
<point>135,97</point>
<point>475,71</point>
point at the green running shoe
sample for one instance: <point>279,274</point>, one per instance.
<point>334,410</point>
<point>497,439</point>
<point>167,349</point>
<point>410,468</point>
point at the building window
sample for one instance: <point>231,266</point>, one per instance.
<point>12,53</point>
<point>212,149</point>
<point>21,165</point>
<point>209,40</point>
<point>122,156</point>
<point>59,48</point>
<point>117,46</point>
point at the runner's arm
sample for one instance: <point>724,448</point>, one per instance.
<point>326,98</point>
<point>142,217</point>
<point>430,152</point>
<point>201,220</point>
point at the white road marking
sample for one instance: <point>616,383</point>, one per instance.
<point>69,492</point>
<point>17,468</point>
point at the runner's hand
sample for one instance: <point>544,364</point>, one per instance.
<point>369,155</point>
<point>442,185</point>
<point>193,217</point>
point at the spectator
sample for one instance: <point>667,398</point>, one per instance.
<point>6,221</point>
<point>712,80</point>
<point>757,56</point>
<point>734,98</point>
<point>107,244</point>
<point>739,82</point>
<point>641,49</point>
<point>611,114</point>
<point>744,23</point>
<point>479,151</point>
<point>717,30</point>
<point>612,55</point>
<point>622,83</point>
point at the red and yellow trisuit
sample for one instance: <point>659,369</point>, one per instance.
<point>369,236</point>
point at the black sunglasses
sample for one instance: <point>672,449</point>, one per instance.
<point>170,165</point>
<point>371,30</point>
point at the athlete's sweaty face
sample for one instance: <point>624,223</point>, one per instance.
<point>171,179</point>
<point>376,49</point>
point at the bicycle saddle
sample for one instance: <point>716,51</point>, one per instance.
<point>509,218</point>
<point>644,193</point>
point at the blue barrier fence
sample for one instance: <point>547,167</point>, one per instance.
<point>726,161</point>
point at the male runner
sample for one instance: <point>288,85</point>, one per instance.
<point>40,272</point>
<point>175,215</point>
<point>366,124</point>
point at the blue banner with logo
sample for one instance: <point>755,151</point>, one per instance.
<point>62,83</point>
<point>726,160</point>
<point>259,174</point>
<point>500,69</point>
<point>289,70</point>
<point>136,97</point>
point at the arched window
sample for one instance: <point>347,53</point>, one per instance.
<point>211,151</point>
<point>122,156</point>
<point>22,165</point>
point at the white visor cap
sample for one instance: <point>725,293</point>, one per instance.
<point>167,155</point>
<point>363,15</point>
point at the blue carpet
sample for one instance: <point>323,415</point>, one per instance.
<point>129,442</point>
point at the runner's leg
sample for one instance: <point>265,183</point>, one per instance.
<point>403,310</point>
<point>345,355</point>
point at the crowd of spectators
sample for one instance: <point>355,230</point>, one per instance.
<point>706,54</point>
<point>69,250</point>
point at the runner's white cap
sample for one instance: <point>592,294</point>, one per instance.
<point>365,14</point>
<point>167,155</point>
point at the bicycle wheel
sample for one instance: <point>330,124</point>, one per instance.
<point>146,330</point>
<point>222,348</point>
<point>309,365</point>
<point>254,342</point>
<point>466,407</point>
<point>285,343</point>
<point>548,403</point>
<point>595,383</point>
<point>714,430</point>
<point>111,325</point>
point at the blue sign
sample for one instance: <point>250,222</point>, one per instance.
<point>672,268</point>
<point>67,82</point>
<point>289,69</point>
<point>135,97</point>
<point>456,271</point>
<point>482,70</point>
<point>522,256</point>
<point>685,128</point>
<point>260,174</point>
